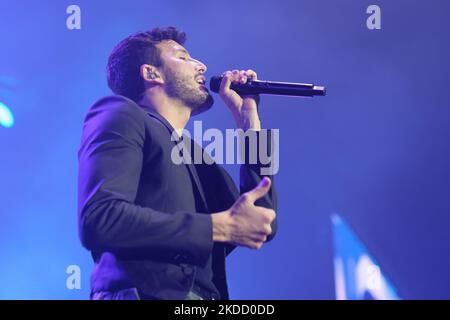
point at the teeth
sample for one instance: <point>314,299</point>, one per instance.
<point>201,80</point>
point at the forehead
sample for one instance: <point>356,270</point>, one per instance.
<point>170,47</point>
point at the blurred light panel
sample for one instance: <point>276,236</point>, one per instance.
<point>357,275</point>
<point>6,116</point>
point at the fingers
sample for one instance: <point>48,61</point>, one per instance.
<point>261,228</point>
<point>265,229</point>
<point>256,240</point>
<point>251,75</point>
<point>257,243</point>
<point>237,76</point>
<point>259,191</point>
<point>246,75</point>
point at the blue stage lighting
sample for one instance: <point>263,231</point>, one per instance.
<point>357,274</point>
<point>6,116</point>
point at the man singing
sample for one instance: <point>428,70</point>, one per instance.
<point>158,230</point>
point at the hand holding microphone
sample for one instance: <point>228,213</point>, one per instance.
<point>244,107</point>
<point>240,91</point>
<point>254,86</point>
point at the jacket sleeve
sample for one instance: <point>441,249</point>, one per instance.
<point>264,151</point>
<point>261,159</point>
<point>110,163</point>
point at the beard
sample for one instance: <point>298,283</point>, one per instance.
<point>186,89</point>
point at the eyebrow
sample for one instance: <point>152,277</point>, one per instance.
<point>181,50</point>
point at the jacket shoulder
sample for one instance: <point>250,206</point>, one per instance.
<point>115,104</point>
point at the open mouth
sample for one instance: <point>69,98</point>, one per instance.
<point>201,80</point>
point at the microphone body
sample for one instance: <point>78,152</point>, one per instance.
<point>271,87</point>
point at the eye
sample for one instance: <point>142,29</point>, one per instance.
<point>183,58</point>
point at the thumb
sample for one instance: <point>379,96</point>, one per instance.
<point>260,190</point>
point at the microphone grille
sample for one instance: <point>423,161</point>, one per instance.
<point>214,84</point>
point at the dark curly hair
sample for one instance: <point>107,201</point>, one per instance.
<point>124,62</point>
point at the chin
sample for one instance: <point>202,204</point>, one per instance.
<point>205,106</point>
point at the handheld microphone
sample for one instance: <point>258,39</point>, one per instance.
<point>271,87</point>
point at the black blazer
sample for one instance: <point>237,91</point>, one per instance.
<point>137,210</point>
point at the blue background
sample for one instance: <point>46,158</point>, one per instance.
<point>375,149</point>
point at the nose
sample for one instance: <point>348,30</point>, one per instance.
<point>201,67</point>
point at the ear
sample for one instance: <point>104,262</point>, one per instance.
<point>150,74</point>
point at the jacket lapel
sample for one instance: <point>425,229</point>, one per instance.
<point>190,165</point>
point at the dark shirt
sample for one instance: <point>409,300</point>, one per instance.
<point>204,276</point>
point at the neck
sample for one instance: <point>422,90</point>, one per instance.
<point>173,110</point>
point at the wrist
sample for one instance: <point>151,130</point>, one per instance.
<point>248,120</point>
<point>221,225</point>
